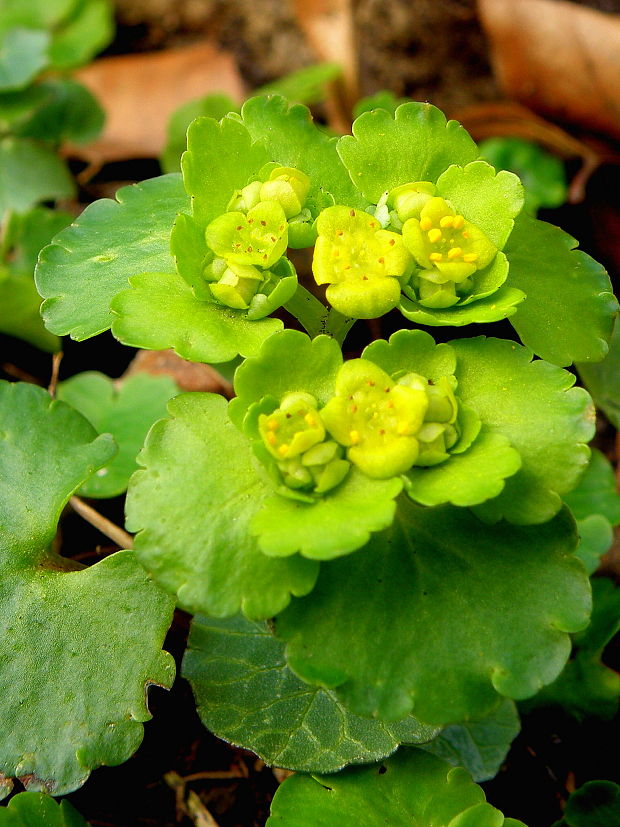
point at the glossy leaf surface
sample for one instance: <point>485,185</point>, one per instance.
<point>482,612</point>
<point>247,695</point>
<point>110,242</point>
<point>37,809</point>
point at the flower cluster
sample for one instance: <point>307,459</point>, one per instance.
<point>380,424</point>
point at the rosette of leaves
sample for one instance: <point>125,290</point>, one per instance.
<point>80,645</point>
<point>412,787</point>
<point>210,297</point>
<point>474,257</point>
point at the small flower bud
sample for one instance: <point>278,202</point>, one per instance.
<point>409,199</point>
<point>287,186</point>
<point>237,286</point>
<point>246,198</point>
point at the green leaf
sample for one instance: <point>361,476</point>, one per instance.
<point>479,745</point>
<point>210,106</point>
<point>247,695</point>
<point>603,380</point>
<point>31,173</point>
<point>416,144</point>
<point>88,30</point>
<point>288,361</point>
<point>82,703</point>
<point>595,804</point>
<point>195,540</point>
<point>596,492</point>
<point>160,311</point>
<point>17,105</point>
<point>19,312</point>
<point>127,412</point>
<point>533,405</point>
<point>69,113</point>
<point>23,54</point>
<point>490,200</point>
<point>336,524</point>
<point>441,615</point>
<point>587,687</point>
<point>570,307</point>
<point>410,788</point>
<point>108,243</point>
<point>499,305</point>
<point>35,14</point>
<point>28,233</point>
<point>290,137</point>
<point>32,451</point>
<point>220,159</point>
<point>37,809</point>
<point>595,539</point>
<point>307,85</point>
<point>541,173</point>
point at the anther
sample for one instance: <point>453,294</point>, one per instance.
<point>458,222</point>
<point>310,420</point>
<point>426,223</point>
<point>272,439</point>
<point>354,436</point>
<point>436,257</point>
<point>455,252</point>
<point>470,257</point>
<point>447,221</point>
<point>435,235</point>
<point>273,425</point>
<point>283,450</point>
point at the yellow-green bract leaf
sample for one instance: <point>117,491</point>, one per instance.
<point>603,379</point>
<point>534,406</point>
<point>79,646</point>
<point>441,615</point>
<point>411,788</point>
<point>247,695</point>
<point>570,307</point>
<point>290,137</point>
<point>195,540</point>
<point>414,144</point>
<point>126,411</point>
<point>210,106</point>
<point>92,260</point>
<point>29,174</point>
<point>160,311</point>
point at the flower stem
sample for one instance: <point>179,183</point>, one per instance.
<point>316,318</point>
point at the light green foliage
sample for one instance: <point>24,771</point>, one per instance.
<point>24,236</point>
<point>482,612</point>
<point>30,173</point>
<point>413,787</point>
<point>78,28</point>
<point>23,53</point>
<point>38,809</point>
<point>603,379</point>
<point>126,410</point>
<point>306,85</point>
<point>209,560</point>
<point>136,228</point>
<point>479,745</point>
<point>595,804</point>
<point>247,695</point>
<point>73,691</point>
<point>66,111</point>
<point>541,173</point>
<point>595,503</point>
<point>587,687</point>
<point>570,308</point>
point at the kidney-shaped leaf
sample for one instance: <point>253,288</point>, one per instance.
<point>441,615</point>
<point>79,646</point>
<point>195,538</point>
<point>595,804</point>
<point>92,260</point>
<point>247,694</point>
<point>410,788</point>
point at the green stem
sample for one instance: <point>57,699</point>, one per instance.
<point>316,318</point>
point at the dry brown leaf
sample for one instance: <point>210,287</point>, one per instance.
<point>560,59</point>
<point>328,27</point>
<point>189,376</point>
<point>140,92</point>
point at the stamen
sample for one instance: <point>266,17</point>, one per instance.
<point>470,257</point>
<point>425,224</point>
<point>354,436</point>
<point>436,257</point>
<point>310,420</point>
<point>272,439</point>
<point>455,252</point>
<point>283,450</point>
<point>435,235</point>
<point>447,221</point>
<point>273,425</point>
<point>458,222</point>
